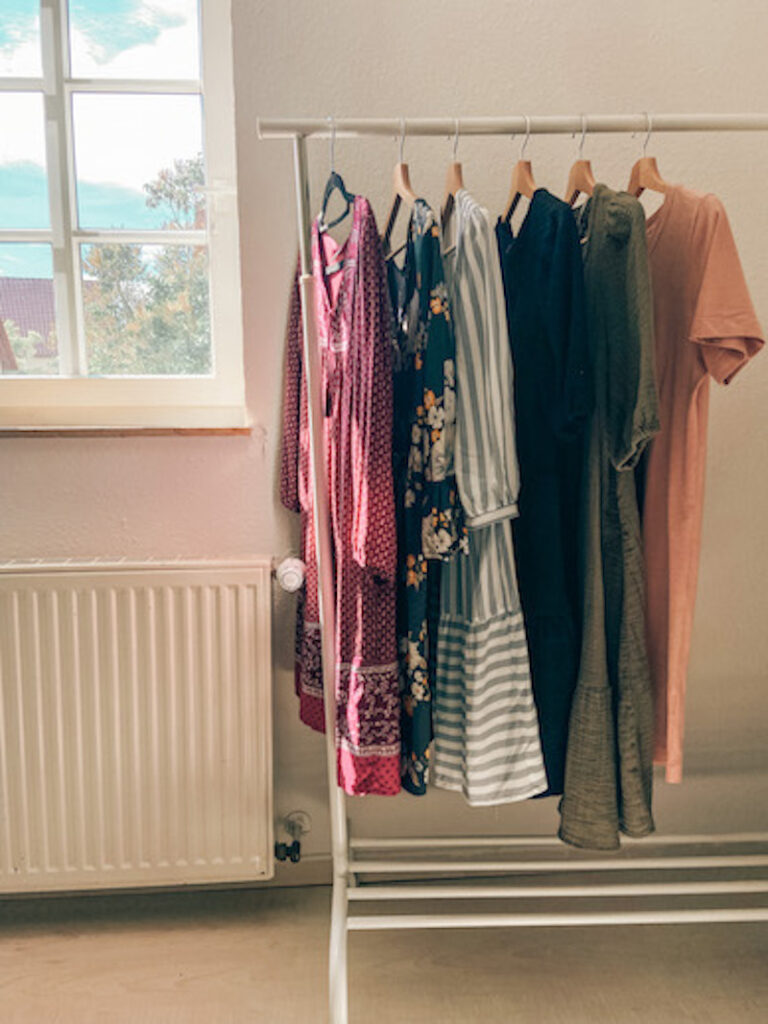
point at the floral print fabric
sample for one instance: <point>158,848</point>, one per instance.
<point>430,517</point>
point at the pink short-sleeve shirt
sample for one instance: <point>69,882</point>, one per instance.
<point>705,326</point>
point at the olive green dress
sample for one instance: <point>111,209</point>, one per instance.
<point>608,773</point>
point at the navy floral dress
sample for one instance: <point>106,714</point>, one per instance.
<point>430,517</point>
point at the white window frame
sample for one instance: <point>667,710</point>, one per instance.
<point>73,401</point>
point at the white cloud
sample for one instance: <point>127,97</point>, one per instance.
<point>126,140</point>
<point>172,54</point>
<point>23,134</point>
<point>24,58</point>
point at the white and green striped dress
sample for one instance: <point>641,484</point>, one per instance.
<point>486,728</point>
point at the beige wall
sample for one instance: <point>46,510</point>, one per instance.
<point>217,496</point>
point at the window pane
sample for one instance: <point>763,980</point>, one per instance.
<point>23,185</point>
<point>146,309</point>
<point>139,161</point>
<point>20,53</point>
<point>134,38</point>
<point>28,332</point>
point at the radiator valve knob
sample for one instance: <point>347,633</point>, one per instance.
<point>288,851</point>
<point>290,574</point>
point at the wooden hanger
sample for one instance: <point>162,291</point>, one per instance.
<point>580,179</point>
<point>645,172</point>
<point>522,183</point>
<point>454,180</point>
<point>402,193</point>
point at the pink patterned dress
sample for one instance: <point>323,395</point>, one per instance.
<point>354,336</point>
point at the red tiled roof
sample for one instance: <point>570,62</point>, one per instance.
<point>28,301</point>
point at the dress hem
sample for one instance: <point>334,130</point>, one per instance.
<point>527,794</point>
<point>573,839</point>
<point>367,776</point>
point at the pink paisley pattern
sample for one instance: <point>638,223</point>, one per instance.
<point>353,334</point>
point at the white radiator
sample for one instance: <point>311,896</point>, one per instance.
<point>135,724</point>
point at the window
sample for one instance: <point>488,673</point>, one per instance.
<point>119,265</point>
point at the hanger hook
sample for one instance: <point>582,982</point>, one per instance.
<point>402,137</point>
<point>332,126</point>
<point>455,138</point>
<point>649,126</point>
<point>527,136</point>
<point>583,135</point>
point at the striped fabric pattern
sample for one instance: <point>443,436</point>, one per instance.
<point>486,459</point>
<point>487,743</point>
<point>486,727</point>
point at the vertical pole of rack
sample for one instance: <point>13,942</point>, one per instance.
<point>337,965</point>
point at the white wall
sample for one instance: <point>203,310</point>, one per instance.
<point>218,496</point>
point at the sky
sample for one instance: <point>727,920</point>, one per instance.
<point>121,142</point>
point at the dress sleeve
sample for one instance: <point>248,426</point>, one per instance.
<point>724,323</point>
<point>565,325</point>
<point>631,401</point>
<point>289,463</point>
<point>486,456</point>
<point>374,544</point>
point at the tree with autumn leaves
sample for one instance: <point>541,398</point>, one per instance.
<point>146,306</point>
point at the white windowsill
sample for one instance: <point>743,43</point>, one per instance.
<point>83,432</point>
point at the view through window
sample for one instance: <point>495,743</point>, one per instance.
<point>104,264</point>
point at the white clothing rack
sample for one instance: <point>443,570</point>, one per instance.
<point>356,857</point>
<point>572,124</point>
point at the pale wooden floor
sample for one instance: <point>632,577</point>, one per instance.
<point>260,956</point>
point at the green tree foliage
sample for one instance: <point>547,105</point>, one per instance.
<point>179,190</point>
<point>146,306</point>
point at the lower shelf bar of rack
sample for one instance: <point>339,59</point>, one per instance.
<point>376,893</point>
<point>377,867</point>
<point>466,842</point>
<point>384,922</point>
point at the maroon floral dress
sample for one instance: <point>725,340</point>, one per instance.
<point>354,337</point>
